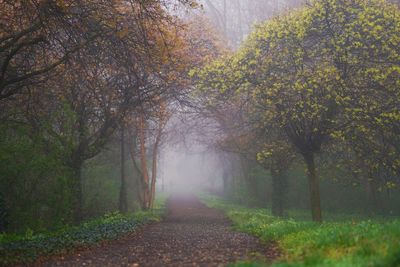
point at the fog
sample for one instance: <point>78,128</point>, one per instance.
<point>199,133</point>
<point>188,160</point>
<point>188,169</point>
<point>96,113</point>
<point>235,19</point>
<point>199,154</point>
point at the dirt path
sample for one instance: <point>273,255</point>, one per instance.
<point>190,235</point>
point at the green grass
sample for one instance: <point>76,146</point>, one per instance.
<point>28,247</point>
<point>338,242</point>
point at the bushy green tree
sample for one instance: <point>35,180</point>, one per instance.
<point>329,70</point>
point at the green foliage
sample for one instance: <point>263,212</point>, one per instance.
<point>35,183</point>
<point>324,78</point>
<point>30,165</point>
<point>101,184</point>
<point>3,215</point>
<point>339,201</point>
<point>28,247</point>
<point>304,243</point>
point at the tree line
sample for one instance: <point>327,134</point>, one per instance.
<point>77,76</point>
<point>319,84</point>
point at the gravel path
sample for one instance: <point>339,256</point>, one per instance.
<point>190,235</point>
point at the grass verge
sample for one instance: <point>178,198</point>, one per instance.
<point>27,248</point>
<point>304,243</point>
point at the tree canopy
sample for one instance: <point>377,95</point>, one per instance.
<point>325,74</point>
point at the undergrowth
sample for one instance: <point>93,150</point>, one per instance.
<point>29,246</point>
<point>356,242</point>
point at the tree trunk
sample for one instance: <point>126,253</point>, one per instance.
<point>374,197</point>
<point>153,178</point>
<point>76,190</point>
<point>225,19</point>
<point>225,182</point>
<point>3,215</point>
<point>143,161</point>
<point>250,180</point>
<point>313,183</point>
<point>137,174</point>
<point>279,189</point>
<point>154,171</point>
<point>123,198</point>
<point>162,184</point>
<point>154,163</point>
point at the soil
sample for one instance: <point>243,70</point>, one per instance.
<point>191,234</point>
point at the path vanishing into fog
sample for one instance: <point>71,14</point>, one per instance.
<point>190,235</point>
